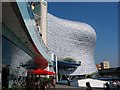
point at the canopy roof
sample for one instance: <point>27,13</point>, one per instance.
<point>42,72</point>
<point>63,64</point>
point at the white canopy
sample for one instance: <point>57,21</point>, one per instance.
<point>93,83</point>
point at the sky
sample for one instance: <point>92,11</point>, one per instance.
<point>102,16</point>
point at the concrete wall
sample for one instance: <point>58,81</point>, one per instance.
<point>43,20</point>
<point>13,56</point>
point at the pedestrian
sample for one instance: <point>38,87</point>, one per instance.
<point>53,82</point>
<point>88,86</point>
<point>114,83</point>
<point>118,85</point>
<point>38,27</point>
<point>107,87</point>
<point>42,86</point>
<point>68,79</point>
<point>32,6</point>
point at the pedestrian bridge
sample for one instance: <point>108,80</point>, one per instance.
<point>19,28</point>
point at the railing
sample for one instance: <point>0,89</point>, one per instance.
<point>41,41</point>
<point>31,13</point>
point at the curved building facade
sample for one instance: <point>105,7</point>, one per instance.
<point>72,39</point>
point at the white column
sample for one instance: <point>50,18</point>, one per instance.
<point>52,55</point>
<point>47,70</point>
<point>56,69</point>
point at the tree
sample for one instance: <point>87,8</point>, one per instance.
<point>68,59</point>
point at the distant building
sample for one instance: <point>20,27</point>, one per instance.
<point>108,73</point>
<point>111,73</point>
<point>98,66</point>
<point>105,65</point>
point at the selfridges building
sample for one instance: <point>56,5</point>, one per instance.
<point>72,39</point>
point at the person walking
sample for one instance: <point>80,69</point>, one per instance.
<point>53,82</point>
<point>88,86</point>
<point>33,6</point>
<point>68,79</point>
<point>118,85</point>
<point>107,87</point>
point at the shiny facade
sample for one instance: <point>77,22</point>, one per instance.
<point>72,39</point>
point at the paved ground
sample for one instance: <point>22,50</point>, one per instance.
<point>64,87</point>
